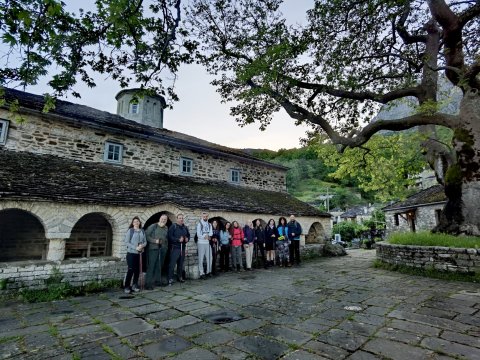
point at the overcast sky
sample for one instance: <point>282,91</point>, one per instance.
<point>199,111</point>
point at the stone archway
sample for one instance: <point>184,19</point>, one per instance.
<point>222,221</point>
<point>22,236</point>
<point>316,234</point>
<point>156,217</point>
<point>90,237</point>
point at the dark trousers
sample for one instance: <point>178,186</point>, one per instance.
<point>177,257</point>
<point>295,252</point>
<point>133,264</point>
<point>156,257</point>
<point>260,247</point>
<point>214,258</point>
<point>225,257</point>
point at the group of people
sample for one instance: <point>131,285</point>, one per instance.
<point>273,244</point>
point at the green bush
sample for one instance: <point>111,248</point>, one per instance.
<point>348,230</point>
<point>429,239</point>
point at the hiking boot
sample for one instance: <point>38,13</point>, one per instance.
<point>127,290</point>
<point>135,288</point>
<point>170,282</point>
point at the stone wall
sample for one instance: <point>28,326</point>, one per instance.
<point>425,219</point>
<point>59,220</point>
<point>440,258</point>
<point>32,274</point>
<point>44,135</point>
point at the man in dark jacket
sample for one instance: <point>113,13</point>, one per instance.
<point>294,232</point>
<point>178,237</point>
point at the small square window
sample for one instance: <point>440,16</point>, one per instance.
<point>235,176</point>
<point>113,153</point>
<point>186,166</point>
<point>134,108</point>
<point>3,131</point>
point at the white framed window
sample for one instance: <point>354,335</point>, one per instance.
<point>113,153</point>
<point>186,166</point>
<point>3,131</point>
<point>235,176</point>
<point>134,108</point>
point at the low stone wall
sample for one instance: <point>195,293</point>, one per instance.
<point>32,274</point>
<point>441,258</point>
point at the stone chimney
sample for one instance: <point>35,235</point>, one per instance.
<point>146,110</point>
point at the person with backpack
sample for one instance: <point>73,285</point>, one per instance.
<point>214,241</point>
<point>136,241</point>
<point>178,237</point>
<point>248,241</point>
<point>157,250</point>
<point>237,240</point>
<point>271,235</point>
<point>225,239</point>
<point>283,243</point>
<point>260,242</point>
<point>204,234</point>
<point>294,232</point>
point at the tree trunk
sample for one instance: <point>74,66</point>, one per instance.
<point>461,214</point>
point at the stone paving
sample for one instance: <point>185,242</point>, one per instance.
<point>329,308</point>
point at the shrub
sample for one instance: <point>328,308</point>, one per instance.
<point>347,230</point>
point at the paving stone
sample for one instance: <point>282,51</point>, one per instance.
<point>377,310</point>
<point>355,327</point>
<point>230,353</point>
<point>195,305</point>
<point>415,328</point>
<point>461,338</point>
<point>147,337</point>
<point>369,319</point>
<point>473,320</point>
<point>179,322</point>
<point>451,348</point>
<point>10,349</point>
<point>24,331</point>
<point>302,355</point>
<point>196,329</point>
<point>340,338</point>
<point>56,353</point>
<point>196,353</point>
<point>40,341</point>
<point>130,326</point>
<point>164,315</point>
<point>396,351</point>
<point>244,325</point>
<point>429,320</point>
<point>326,350</point>
<point>73,322</point>
<point>82,339</point>
<point>399,335</point>
<point>285,334</point>
<point>260,346</point>
<point>79,330</point>
<point>447,314</point>
<point>214,338</point>
<point>167,346</point>
<point>363,355</point>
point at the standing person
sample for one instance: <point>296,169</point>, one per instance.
<point>178,237</point>
<point>294,232</point>
<point>260,241</point>
<point>204,234</point>
<point>225,239</point>
<point>248,243</point>
<point>214,241</point>
<point>157,239</point>
<point>136,242</point>
<point>283,243</point>
<point>271,236</point>
<point>237,239</point>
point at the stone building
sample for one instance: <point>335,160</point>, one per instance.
<point>72,179</point>
<point>419,212</point>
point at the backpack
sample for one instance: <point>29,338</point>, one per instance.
<point>195,237</point>
<point>131,232</point>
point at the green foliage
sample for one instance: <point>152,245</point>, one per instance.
<point>348,230</point>
<point>429,272</point>
<point>429,239</point>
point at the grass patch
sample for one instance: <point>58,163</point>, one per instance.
<point>110,352</point>
<point>429,272</point>
<point>429,239</point>
<point>4,340</point>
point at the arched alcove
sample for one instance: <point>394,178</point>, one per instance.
<point>22,236</point>
<point>222,221</point>
<point>156,217</point>
<point>91,236</point>
<point>316,234</point>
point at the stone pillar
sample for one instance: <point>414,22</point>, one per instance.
<point>56,249</point>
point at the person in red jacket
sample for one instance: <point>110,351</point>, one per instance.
<point>237,241</point>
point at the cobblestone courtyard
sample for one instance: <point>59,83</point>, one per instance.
<point>327,309</point>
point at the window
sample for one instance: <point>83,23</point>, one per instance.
<point>396,219</point>
<point>186,166</point>
<point>235,176</point>
<point>3,131</point>
<point>134,108</point>
<point>113,153</point>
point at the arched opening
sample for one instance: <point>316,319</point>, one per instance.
<point>91,236</point>
<point>316,234</point>
<point>263,223</point>
<point>22,236</point>
<point>221,221</point>
<point>156,217</point>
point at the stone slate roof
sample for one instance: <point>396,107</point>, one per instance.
<point>97,119</point>
<point>354,212</point>
<point>27,176</point>
<point>434,194</point>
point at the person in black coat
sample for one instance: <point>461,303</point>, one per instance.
<point>271,236</point>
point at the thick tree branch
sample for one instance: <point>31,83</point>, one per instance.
<point>402,31</point>
<point>469,14</point>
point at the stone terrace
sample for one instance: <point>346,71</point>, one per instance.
<point>338,308</point>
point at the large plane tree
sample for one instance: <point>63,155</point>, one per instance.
<point>346,61</point>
